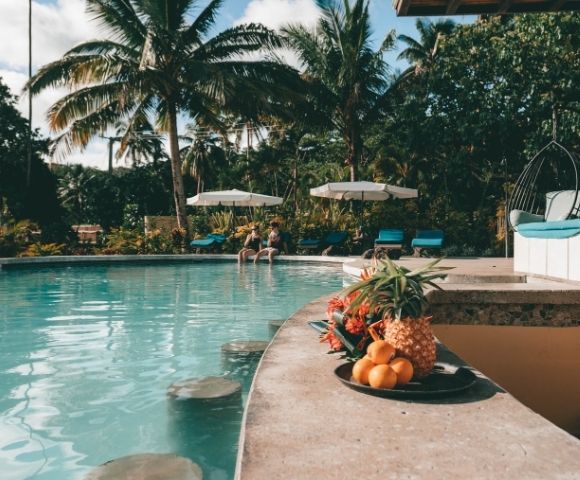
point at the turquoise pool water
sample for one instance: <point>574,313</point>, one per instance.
<point>87,354</point>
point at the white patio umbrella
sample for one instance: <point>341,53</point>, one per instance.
<point>233,198</point>
<point>362,191</point>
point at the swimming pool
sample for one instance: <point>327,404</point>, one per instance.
<point>87,354</point>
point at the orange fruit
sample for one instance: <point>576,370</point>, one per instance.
<point>380,352</point>
<point>404,370</point>
<point>382,376</point>
<point>361,369</point>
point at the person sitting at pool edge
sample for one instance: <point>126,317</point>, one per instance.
<point>252,245</point>
<point>275,244</point>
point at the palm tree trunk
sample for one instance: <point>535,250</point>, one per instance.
<point>354,153</point>
<point>178,190</point>
<point>29,143</point>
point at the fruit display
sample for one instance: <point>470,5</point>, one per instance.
<point>385,315</point>
<point>379,369</point>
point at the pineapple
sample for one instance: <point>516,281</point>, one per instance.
<point>396,294</point>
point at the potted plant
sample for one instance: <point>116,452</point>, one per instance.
<point>388,303</point>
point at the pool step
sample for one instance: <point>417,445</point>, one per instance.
<point>275,325</point>
<point>208,388</point>
<point>147,466</point>
<point>244,347</point>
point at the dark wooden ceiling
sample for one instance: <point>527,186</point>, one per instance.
<point>406,8</point>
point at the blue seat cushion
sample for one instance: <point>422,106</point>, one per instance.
<point>390,235</point>
<point>556,229</point>
<point>203,242</point>
<point>427,242</point>
<point>218,237</point>
<point>309,243</point>
<point>335,238</point>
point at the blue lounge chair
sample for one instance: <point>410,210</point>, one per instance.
<point>427,239</point>
<point>333,239</point>
<point>212,240</point>
<point>390,242</point>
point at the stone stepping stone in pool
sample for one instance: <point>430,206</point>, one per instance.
<point>208,388</point>
<point>147,466</point>
<point>244,347</point>
<point>275,325</point>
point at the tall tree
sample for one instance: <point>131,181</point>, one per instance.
<point>421,53</point>
<point>37,202</point>
<point>139,143</point>
<point>348,78</point>
<point>202,156</point>
<point>157,61</point>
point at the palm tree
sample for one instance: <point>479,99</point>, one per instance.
<point>421,53</point>
<point>348,78</point>
<point>139,143</point>
<point>202,156</point>
<point>157,62</point>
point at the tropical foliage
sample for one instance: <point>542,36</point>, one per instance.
<point>348,79</point>
<point>459,124</point>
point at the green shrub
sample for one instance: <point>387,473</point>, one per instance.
<point>44,250</point>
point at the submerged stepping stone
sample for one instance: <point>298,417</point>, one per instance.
<point>244,347</point>
<point>276,324</point>
<point>208,388</point>
<point>147,466</point>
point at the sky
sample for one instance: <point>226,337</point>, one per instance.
<point>58,25</point>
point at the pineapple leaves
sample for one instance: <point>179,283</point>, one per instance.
<point>395,291</point>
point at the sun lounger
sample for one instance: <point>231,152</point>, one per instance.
<point>389,242</point>
<point>333,239</point>
<point>212,240</point>
<point>427,239</point>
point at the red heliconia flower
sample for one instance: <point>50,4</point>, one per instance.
<point>355,325</point>
<point>363,309</point>
<point>335,343</point>
<point>335,304</point>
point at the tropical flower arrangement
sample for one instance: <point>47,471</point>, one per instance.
<point>388,304</point>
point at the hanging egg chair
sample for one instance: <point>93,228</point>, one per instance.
<point>547,189</point>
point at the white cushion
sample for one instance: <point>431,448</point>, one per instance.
<point>559,204</point>
<point>517,217</point>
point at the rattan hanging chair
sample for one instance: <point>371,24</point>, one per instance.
<point>547,189</point>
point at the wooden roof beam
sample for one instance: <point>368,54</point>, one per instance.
<point>452,7</point>
<point>504,6</point>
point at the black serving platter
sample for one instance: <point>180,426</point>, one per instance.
<point>440,383</point>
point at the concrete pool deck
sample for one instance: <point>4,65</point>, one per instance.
<point>302,423</point>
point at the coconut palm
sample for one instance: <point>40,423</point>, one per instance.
<point>202,156</point>
<point>421,53</point>
<point>157,62</point>
<point>139,143</point>
<point>348,77</point>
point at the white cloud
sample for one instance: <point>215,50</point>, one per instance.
<point>56,27</point>
<point>277,13</point>
<point>96,155</point>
